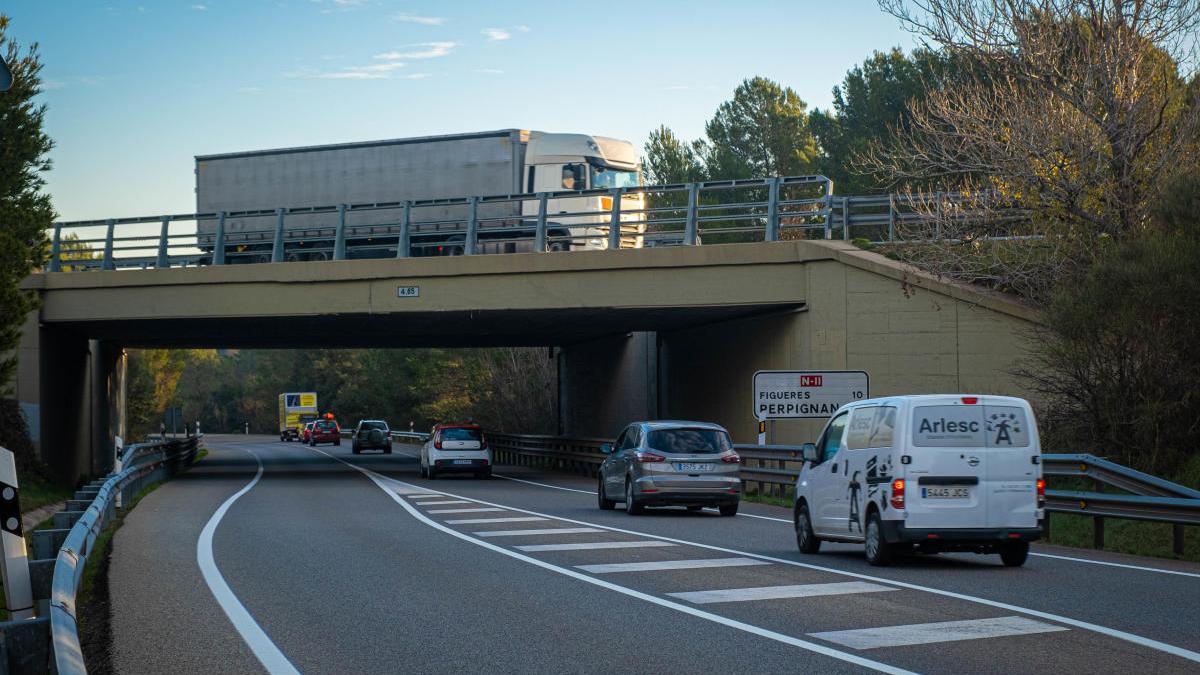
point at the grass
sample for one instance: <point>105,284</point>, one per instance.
<point>37,491</point>
<point>787,500</point>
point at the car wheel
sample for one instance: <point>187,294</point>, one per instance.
<point>879,552</point>
<point>420,471</point>
<point>387,451</point>
<point>604,502</point>
<point>1014,554</point>
<point>338,442</point>
<point>806,538</point>
<point>431,473</point>
<point>632,506</point>
<point>729,510</point>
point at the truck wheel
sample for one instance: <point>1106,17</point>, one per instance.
<point>1014,554</point>
<point>879,552</point>
<point>806,538</point>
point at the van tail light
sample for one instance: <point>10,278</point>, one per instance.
<point>650,457</point>
<point>898,494</point>
<point>1041,492</point>
<point>731,458</point>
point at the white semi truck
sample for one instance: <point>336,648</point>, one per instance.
<point>425,172</point>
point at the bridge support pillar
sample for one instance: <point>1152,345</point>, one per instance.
<point>608,383</point>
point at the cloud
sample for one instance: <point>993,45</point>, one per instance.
<point>199,8</point>
<point>349,3</point>
<point>490,71</point>
<point>429,50</point>
<point>423,20</point>
<point>48,85</point>
<point>496,34</point>
<point>523,28</point>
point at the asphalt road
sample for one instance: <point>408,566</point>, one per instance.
<point>330,562</point>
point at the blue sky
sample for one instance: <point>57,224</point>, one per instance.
<point>136,89</point>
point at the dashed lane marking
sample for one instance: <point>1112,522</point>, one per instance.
<point>653,543</point>
<point>480,510</point>
<point>927,633</point>
<point>525,533</point>
<point>477,521</point>
<point>660,565</point>
<point>780,592</point>
<point>448,501</point>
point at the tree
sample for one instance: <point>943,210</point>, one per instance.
<point>25,211</point>
<point>762,131</point>
<point>671,160</point>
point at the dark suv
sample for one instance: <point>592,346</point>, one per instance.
<point>371,435</point>
<point>325,431</point>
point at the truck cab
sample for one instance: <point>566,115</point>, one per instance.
<point>936,473</point>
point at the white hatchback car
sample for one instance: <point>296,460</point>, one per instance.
<point>456,448</point>
<point>938,473</point>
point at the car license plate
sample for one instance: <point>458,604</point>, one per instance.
<point>688,467</point>
<point>462,461</point>
<point>946,493</point>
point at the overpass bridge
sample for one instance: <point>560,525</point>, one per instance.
<point>644,333</point>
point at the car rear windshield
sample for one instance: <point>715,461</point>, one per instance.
<point>689,441</point>
<point>367,426</point>
<point>326,425</point>
<point>461,434</point>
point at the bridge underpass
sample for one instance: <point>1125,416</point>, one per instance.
<point>653,333</point>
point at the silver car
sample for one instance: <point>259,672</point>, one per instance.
<point>690,464</point>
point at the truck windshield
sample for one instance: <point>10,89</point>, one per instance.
<point>611,178</point>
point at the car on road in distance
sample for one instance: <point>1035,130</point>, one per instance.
<point>953,472</point>
<point>325,431</point>
<point>371,435</point>
<point>306,435</point>
<point>667,463</point>
<point>456,448</point>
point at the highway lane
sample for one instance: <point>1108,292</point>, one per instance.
<point>348,571</point>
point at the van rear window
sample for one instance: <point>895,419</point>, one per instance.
<point>970,426</point>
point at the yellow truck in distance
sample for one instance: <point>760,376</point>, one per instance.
<point>295,410</point>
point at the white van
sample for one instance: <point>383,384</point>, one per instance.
<point>937,473</point>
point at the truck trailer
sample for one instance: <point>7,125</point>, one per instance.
<point>430,176</point>
<point>295,410</point>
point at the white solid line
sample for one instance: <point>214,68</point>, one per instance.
<point>463,510</point>
<point>945,631</point>
<point>476,521</point>
<point>1077,623</point>
<point>522,533</point>
<point>780,592</point>
<point>1113,564</point>
<point>594,545</point>
<point>660,565</point>
<point>254,636</point>
<point>662,602</point>
<point>448,501</point>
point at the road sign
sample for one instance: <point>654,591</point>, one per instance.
<point>812,394</point>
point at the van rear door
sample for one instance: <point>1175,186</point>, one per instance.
<point>947,471</point>
<point>1011,474</point>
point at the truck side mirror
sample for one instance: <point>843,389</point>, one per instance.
<point>606,448</point>
<point>809,452</point>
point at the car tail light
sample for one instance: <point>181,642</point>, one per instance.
<point>650,457</point>
<point>898,494</point>
<point>970,400</point>
<point>437,444</point>
<point>483,444</point>
<point>731,458</point>
<point>1041,492</point>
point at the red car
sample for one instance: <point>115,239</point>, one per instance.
<point>325,431</point>
<point>306,435</point>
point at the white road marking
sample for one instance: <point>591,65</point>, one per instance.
<point>545,485</point>
<point>424,495</point>
<point>448,501</point>
<point>523,533</point>
<point>1077,623</point>
<point>381,481</point>
<point>463,510</point>
<point>594,545</point>
<point>780,592</point>
<point>1113,564</point>
<point>476,521</point>
<point>945,631</point>
<point>254,636</point>
<point>659,565</point>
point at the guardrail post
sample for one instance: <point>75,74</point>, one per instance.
<point>845,219</point>
<point>1098,532</point>
<point>18,592</point>
<point>339,241</point>
<point>107,263</point>
<point>277,246</point>
<point>472,226</point>
<point>614,220</point>
<point>1177,537</point>
<point>219,246</point>
<point>402,244</point>
<point>938,225</point>
<point>163,241</point>
<point>829,217</point>
<point>891,218</point>
<point>691,225</point>
<point>56,249</point>
<point>539,238</point>
<point>772,232</point>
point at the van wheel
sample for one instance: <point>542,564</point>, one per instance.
<point>806,538</point>
<point>879,552</point>
<point>632,506</point>
<point>1014,554</point>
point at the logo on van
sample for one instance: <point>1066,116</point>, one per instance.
<point>973,461</point>
<point>1004,425</point>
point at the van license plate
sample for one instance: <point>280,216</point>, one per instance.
<point>946,493</point>
<point>693,468</point>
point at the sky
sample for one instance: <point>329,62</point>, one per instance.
<point>136,89</point>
